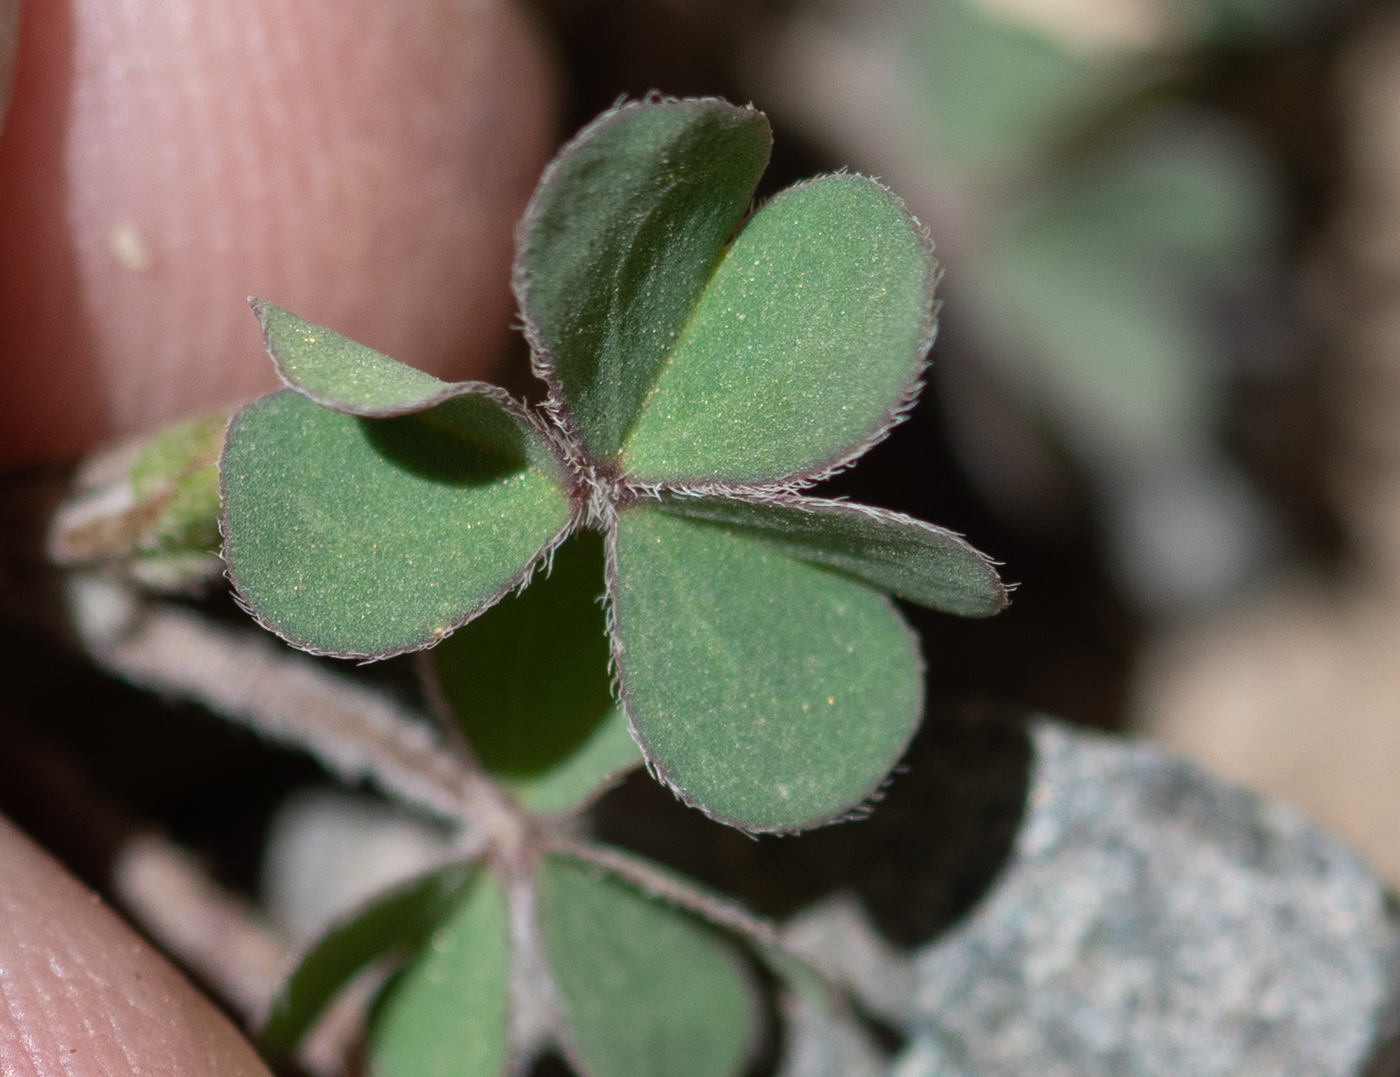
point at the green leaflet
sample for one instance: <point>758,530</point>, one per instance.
<point>808,340</point>
<point>896,553</point>
<point>156,500</point>
<point>340,374</point>
<point>178,472</point>
<point>1190,197</point>
<point>369,537</point>
<point>1121,367</point>
<point>1097,286</point>
<point>606,755</point>
<point>772,693</point>
<point>646,990</point>
<point>530,684</point>
<point>990,91</point>
<point>617,243</point>
<point>448,1013</point>
<point>402,918</point>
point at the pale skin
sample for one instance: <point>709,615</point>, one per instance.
<point>361,163</point>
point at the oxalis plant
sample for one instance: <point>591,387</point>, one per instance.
<point>703,365</point>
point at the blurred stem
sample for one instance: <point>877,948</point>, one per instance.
<point>215,934</point>
<point>252,679</point>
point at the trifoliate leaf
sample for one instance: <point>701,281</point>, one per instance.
<point>645,989</point>
<point>805,347</point>
<point>769,692</point>
<point>530,684</point>
<point>896,553</point>
<point>400,919</point>
<point>369,537</point>
<point>616,246</point>
<point>340,374</point>
<point>448,1013</point>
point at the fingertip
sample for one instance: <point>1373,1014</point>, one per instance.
<point>362,164</point>
<point>84,995</point>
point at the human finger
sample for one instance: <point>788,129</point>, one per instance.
<point>81,994</point>
<point>362,163</point>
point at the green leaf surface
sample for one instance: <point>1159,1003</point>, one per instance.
<point>617,243</point>
<point>529,683</point>
<point>1099,285</point>
<point>369,537</point>
<point>1185,195</point>
<point>896,553</point>
<point>340,374</point>
<point>178,473</point>
<point>991,90</point>
<point>805,346</point>
<point>1123,365</point>
<point>646,990</point>
<point>448,1013</point>
<point>146,500</point>
<point>771,693</point>
<point>605,755</point>
<point>400,919</point>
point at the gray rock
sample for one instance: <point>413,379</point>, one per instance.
<point>1155,922</point>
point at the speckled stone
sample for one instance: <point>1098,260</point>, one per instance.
<point>1154,921</point>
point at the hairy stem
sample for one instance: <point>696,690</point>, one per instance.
<point>217,935</point>
<point>250,678</point>
<point>681,892</point>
